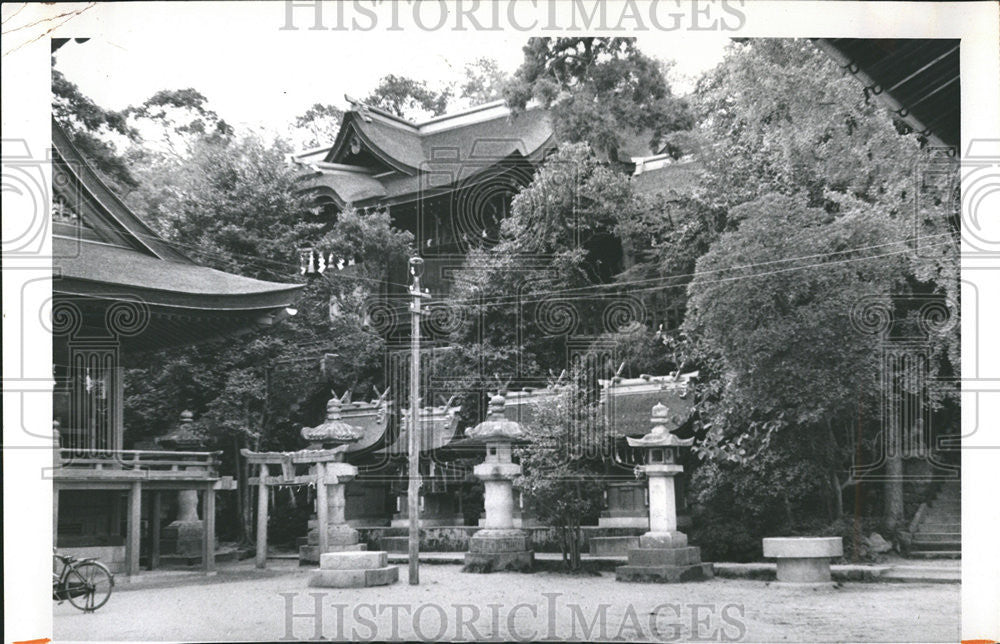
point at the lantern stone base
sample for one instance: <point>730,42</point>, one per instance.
<point>340,538</point>
<point>183,538</point>
<point>354,570</point>
<point>493,550</point>
<point>665,558</point>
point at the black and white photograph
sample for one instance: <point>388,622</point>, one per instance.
<point>582,320</point>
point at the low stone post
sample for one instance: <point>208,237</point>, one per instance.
<point>663,554</point>
<point>499,545</point>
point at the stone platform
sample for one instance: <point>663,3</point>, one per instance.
<point>357,569</point>
<point>496,550</point>
<point>664,558</point>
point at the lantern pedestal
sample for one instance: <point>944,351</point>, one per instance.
<point>499,545</point>
<point>343,563</point>
<point>331,542</point>
<point>340,536</point>
<point>663,555</point>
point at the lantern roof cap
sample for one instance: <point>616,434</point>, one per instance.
<point>332,429</point>
<point>659,436</point>
<point>184,435</point>
<point>496,428</point>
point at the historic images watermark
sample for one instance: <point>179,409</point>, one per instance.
<point>321,615</point>
<point>567,16</point>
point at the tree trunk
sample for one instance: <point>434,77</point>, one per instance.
<point>894,491</point>
<point>835,489</point>
<point>838,496</point>
<point>894,476</point>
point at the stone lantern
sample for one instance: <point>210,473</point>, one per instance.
<point>332,433</point>
<point>663,554</point>
<point>184,536</point>
<point>498,545</point>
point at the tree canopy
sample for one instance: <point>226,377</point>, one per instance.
<point>600,90</point>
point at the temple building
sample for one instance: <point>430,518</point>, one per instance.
<point>450,181</point>
<point>121,290</point>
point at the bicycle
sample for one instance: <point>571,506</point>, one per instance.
<point>86,583</point>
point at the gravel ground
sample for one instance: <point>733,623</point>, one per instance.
<point>450,605</point>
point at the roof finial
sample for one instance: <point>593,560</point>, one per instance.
<point>360,107</point>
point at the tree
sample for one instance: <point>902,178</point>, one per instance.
<point>548,277</point>
<point>600,90</point>
<point>484,82</point>
<point>408,98</point>
<point>201,202</point>
<point>777,116</point>
<point>93,131</point>
<point>319,124</point>
<point>560,480</point>
<point>175,120</point>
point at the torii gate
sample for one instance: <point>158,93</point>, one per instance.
<point>326,470</point>
<point>325,467</point>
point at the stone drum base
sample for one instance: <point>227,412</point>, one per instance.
<point>804,560</point>
<point>664,558</point>
<point>354,570</point>
<point>497,550</point>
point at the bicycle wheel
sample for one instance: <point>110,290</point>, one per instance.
<point>88,585</point>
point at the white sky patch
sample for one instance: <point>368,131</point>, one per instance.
<point>262,78</point>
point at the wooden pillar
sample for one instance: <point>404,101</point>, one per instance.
<point>133,532</point>
<point>322,509</point>
<point>208,545</point>
<point>262,519</point>
<point>154,528</point>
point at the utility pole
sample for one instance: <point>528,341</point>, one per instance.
<point>413,436</point>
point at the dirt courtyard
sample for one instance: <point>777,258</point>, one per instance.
<point>451,605</point>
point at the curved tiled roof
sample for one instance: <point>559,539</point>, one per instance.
<point>95,269</point>
<point>458,145</point>
<point>130,260</point>
<point>347,187</point>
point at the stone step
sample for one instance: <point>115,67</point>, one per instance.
<point>940,526</point>
<point>936,554</point>
<point>922,544</point>
<point>310,554</point>
<point>515,561</point>
<point>358,560</point>
<point>611,546</point>
<point>664,574</point>
<point>923,574</point>
<point>686,556</point>
<point>354,578</point>
<point>395,544</point>
<point>950,537</point>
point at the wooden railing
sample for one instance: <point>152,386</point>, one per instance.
<point>153,463</point>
